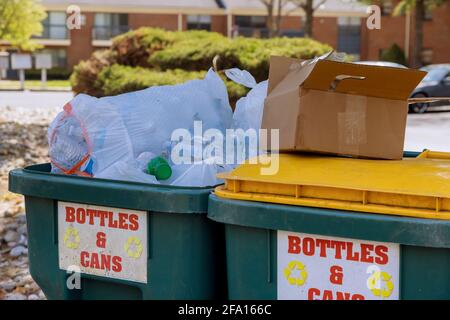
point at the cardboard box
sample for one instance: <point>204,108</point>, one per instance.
<point>339,108</point>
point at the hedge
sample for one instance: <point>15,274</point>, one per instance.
<point>159,55</point>
<point>85,74</point>
<point>195,54</point>
<point>52,74</point>
<point>245,53</point>
<point>134,48</point>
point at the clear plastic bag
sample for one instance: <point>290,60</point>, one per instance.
<point>151,115</point>
<point>88,133</point>
<point>92,134</point>
<point>249,109</point>
<point>247,114</point>
<point>116,137</point>
<point>198,174</point>
<point>127,171</point>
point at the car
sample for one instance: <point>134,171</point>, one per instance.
<point>433,66</point>
<point>435,84</point>
<point>382,64</point>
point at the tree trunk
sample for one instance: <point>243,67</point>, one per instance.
<point>309,10</point>
<point>278,18</point>
<point>269,22</point>
<point>418,33</point>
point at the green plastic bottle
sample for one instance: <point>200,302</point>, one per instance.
<point>160,168</point>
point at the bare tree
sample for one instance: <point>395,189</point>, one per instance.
<point>309,7</point>
<point>419,8</point>
<point>281,4</point>
<point>274,15</point>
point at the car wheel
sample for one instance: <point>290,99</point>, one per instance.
<point>419,107</point>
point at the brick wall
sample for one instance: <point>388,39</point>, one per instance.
<point>165,21</point>
<point>81,42</point>
<point>325,30</point>
<point>436,35</point>
<point>219,24</point>
<point>290,23</point>
<point>372,41</point>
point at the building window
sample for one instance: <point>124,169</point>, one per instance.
<point>251,26</point>
<point>55,26</point>
<point>198,22</point>
<point>427,56</point>
<point>349,35</point>
<point>109,25</point>
<point>251,21</point>
<point>387,7</point>
<point>59,57</point>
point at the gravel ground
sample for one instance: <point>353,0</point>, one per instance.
<point>23,141</point>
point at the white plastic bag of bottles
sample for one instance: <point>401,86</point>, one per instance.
<point>127,171</point>
<point>87,137</point>
<point>248,113</point>
<point>249,109</point>
<point>152,115</point>
<point>92,134</point>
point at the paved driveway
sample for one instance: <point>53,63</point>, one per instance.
<point>34,99</point>
<point>428,131</point>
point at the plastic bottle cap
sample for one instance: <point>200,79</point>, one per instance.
<point>159,167</point>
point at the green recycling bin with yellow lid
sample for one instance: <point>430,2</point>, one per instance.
<point>329,228</point>
<point>124,240</point>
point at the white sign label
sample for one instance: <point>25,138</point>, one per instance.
<point>43,61</point>
<point>4,62</point>
<point>20,61</point>
<point>313,267</point>
<point>102,241</point>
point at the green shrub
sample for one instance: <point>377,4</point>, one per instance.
<point>84,75</point>
<point>195,50</point>
<point>245,53</point>
<point>394,54</point>
<point>194,54</point>
<point>254,54</point>
<point>135,47</point>
<point>52,74</point>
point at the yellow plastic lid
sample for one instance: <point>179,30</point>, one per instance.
<point>417,187</point>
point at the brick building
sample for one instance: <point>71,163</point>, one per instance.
<point>340,23</point>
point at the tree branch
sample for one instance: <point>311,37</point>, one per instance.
<point>319,4</point>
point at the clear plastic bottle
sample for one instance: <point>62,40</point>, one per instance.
<point>68,146</point>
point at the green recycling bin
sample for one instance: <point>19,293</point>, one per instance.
<point>104,239</point>
<point>380,244</point>
<point>261,265</point>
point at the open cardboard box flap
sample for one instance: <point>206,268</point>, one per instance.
<point>279,68</point>
<point>428,100</point>
<point>339,108</point>
<point>287,74</point>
